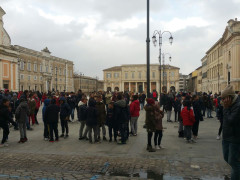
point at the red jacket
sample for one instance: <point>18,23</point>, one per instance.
<point>135,108</point>
<point>37,102</point>
<point>187,117</point>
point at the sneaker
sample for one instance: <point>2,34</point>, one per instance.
<point>135,135</point>
<point>157,147</point>
<point>120,142</point>
<point>51,140</point>
<point>104,138</point>
<point>66,136</point>
<point>188,141</point>
<point>161,147</point>
<point>2,145</point>
<point>30,129</point>
<point>98,141</point>
<point>21,141</point>
<point>218,138</point>
<point>25,139</point>
<point>81,138</point>
<point>62,135</point>
<point>6,144</point>
<point>193,141</point>
<point>151,149</point>
<point>46,139</point>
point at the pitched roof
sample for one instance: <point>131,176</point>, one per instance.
<point>114,68</point>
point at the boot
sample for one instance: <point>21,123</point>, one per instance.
<point>150,149</point>
<point>21,141</point>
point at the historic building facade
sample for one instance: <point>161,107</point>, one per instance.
<point>132,77</point>
<point>40,71</point>
<point>22,68</point>
<point>8,59</point>
<point>87,84</point>
<point>221,64</point>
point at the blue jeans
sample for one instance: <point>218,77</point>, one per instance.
<point>231,154</point>
<point>209,113</point>
<point>72,113</point>
<point>141,105</point>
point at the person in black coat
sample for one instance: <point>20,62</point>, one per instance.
<point>121,117</point>
<point>169,105</point>
<point>51,118</point>
<point>111,123</point>
<point>177,107</point>
<point>198,115</point>
<point>82,116</point>
<point>92,121</point>
<point>4,120</point>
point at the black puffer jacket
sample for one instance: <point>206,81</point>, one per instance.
<point>4,115</point>
<point>231,122</point>
<point>52,114</point>
<point>121,112</point>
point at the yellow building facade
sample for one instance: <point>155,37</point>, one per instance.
<point>8,60</point>
<point>223,61</point>
<point>132,77</point>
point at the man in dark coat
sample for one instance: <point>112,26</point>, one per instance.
<point>51,118</point>
<point>65,112</point>
<point>198,116</point>
<point>4,120</point>
<point>121,117</point>
<point>231,130</point>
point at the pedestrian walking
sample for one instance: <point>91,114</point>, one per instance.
<point>159,127</point>
<point>65,112</point>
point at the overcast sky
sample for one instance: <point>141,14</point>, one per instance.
<point>98,34</point>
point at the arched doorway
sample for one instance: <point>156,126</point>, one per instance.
<point>109,89</point>
<point>172,89</point>
<point>140,88</point>
<point>116,89</point>
<point>164,89</point>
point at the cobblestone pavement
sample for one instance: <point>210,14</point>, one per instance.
<point>73,159</point>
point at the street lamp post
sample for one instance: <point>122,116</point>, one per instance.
<point>148,52</point>
<point>154,39</point>
<point>165,75</point>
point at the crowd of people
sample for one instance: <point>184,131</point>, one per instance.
<point>120,112</point>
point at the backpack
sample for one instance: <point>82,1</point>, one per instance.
<point>154,94</point>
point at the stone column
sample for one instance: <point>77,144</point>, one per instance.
<point>129,86</point>
<point>143,86</point>
<point>1,74</point>
<point>136,87</point>
<point>157,87</point>
<point>123,87</point>
<point>150,87</point>
<point>112,87</point>
<point>105,86</point>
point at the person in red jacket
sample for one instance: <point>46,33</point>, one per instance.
<point>188,120</point>
<point>134,111</point>
<point>44,97</point>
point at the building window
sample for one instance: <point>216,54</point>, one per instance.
<point>133,75</point>
<point>60,71</point>
<point>41,70</point>
<point>126,75</point>
<point>35,78</point>
<point>46,69</point>
<point>109,75</point>
<point>22,65</point>
<point>153,74</point>
<point>29,66</point>
<point>41,78</point>
<point>21,76</point>
<point>116,75</point>
<point>139,75</point>
<point>172,74</point>
<point>35,67</point>
<point>164,74</point>
<point>29,77</point>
